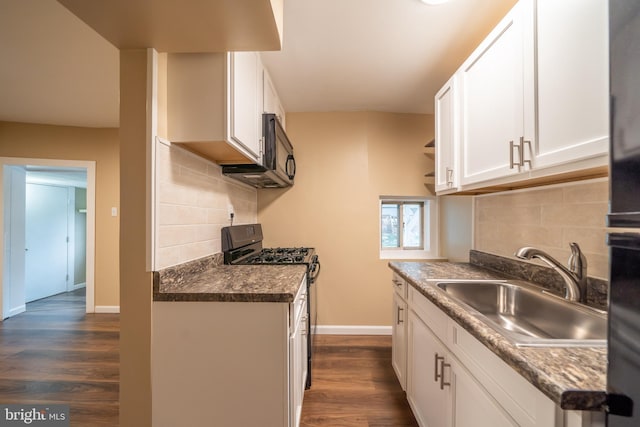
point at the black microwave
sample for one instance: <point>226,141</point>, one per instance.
<point>278,167</point>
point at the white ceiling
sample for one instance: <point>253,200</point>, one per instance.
<point>338,55</point>
<point>381,55</point>
<point>54,69</point>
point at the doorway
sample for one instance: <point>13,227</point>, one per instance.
<point>49,231</point>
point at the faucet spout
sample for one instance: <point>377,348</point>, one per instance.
<point>575,277</point>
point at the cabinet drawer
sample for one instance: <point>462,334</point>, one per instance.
<point>400,286</point>
<point>431,315</point>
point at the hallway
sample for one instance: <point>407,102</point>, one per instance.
<point>56,353</point>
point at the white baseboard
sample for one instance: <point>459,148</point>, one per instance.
<point>107,309</point>
<point>352,330</point>
<point>78,286</point>
<point>17,310</point>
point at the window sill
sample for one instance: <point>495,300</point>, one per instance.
<point>408,254</point>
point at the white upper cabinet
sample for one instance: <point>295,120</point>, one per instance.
<point>573,81</point>
<point>446,138</point>
<point>533,100</point>
<point>271,102</point>
<point>245,86</point>
<point>497,88</point>
<point>214,104</point>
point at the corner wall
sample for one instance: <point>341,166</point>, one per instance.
<point>346,161</point>
<point>76,143</point>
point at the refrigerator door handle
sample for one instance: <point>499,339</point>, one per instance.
<point>624,240</point>
<point>619,404</point>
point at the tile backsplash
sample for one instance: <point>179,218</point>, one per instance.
<point>193,203</point>
<point>548,218</point>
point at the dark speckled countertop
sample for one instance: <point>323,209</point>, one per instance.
<point>574,378</point>
<point>207,279</point>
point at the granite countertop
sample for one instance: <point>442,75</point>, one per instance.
<point>574,378</point>
<point>208,280</point>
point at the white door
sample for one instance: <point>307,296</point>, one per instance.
<point>46,241</point>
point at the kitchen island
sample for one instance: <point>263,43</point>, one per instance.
<point>573,379</point>
<point>228,344</point>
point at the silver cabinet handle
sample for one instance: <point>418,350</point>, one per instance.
<point>521,150</point>
<point>438,359</point>
<point>512,162</point>
<point>398,317</point>
<point>520,146</point>
<point>449,172</point>
<point>443,366</point>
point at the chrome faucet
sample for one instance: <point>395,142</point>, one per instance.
<point>575,277</point>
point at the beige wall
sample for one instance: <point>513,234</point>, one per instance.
<point>548,218</point>
<point>346,161</point>
<point>194,200</point>
<point>75,143</point>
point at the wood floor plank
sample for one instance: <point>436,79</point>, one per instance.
<point>55,353</point>
<point>354,385</point>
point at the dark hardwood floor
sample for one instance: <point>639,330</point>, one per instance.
<point>56,353</point>
<point>354,385</point>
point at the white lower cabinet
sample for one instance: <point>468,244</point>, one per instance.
<point>298,363</point>
<point>453,380</point>
<point>472,405</point>
<point>399,337</point>
<point>429,397</point>
<point>218,363</point>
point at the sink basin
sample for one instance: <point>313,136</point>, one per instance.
<point>530,316</point>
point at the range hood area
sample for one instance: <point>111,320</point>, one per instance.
<point>256,176</point>
<point>223,107</point>
<point>278,167</point>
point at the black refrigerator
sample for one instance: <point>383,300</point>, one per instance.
<point>623,370</point>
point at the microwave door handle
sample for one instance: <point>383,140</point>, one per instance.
<point>291,174</point>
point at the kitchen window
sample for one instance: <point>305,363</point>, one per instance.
<point>407,228</point>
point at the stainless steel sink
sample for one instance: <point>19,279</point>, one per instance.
<point>529,316</point>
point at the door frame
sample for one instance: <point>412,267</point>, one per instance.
<point>91,217</point>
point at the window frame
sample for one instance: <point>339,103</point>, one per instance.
<point>428,222</point>
<point>401,224</point>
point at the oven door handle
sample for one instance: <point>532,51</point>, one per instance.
<point>290,159</point>
<point>314,270</point>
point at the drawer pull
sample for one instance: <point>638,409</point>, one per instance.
<point>437,360</point>
<point>442,367</point>
<point>398,316</point>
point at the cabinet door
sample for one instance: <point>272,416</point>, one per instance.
<point>430,403</point>
<point>243,100</point>
<point>497,102</point>
<point>399,339</point>
<point>472,405</point>
<point>272,102</point>
<point>446,168</point>
<point>297,367</point>
<point>573,80</point>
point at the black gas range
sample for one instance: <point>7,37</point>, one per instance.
<point>242,245</point>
